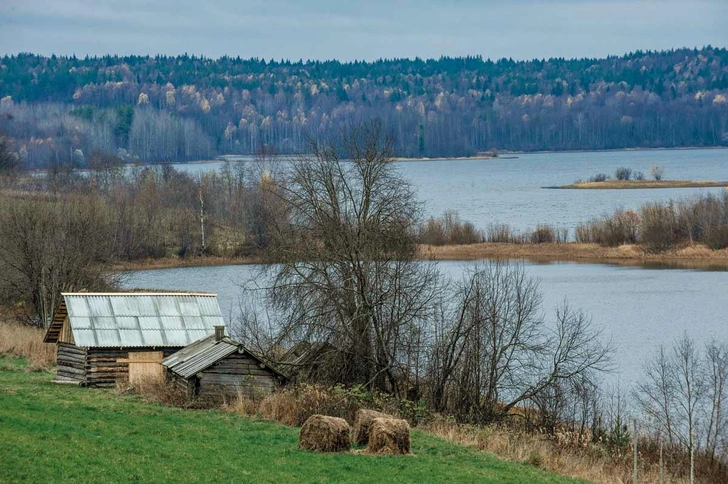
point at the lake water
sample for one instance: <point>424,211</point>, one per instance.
<point>638,308</point>
<point>510,190</point>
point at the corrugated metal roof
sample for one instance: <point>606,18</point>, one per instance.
<point>204,353</point>
<point>200,355</point>
<point>141,319</point>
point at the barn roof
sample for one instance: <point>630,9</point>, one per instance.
<point>204,353</point>
<point>136,319</point>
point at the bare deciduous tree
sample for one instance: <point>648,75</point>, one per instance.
<point>345,249</point>
<point>499,351</point>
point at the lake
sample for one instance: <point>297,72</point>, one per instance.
<point>638,308</point>
<point>510,190</point>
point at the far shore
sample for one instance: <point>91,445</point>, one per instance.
<point>692,257</point>
<point>640,184</point>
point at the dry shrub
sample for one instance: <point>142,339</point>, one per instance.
<point>546,234</point>
<point>449,230</point>
<point>503,234</point>
<point>362,423</point>
<point>27,342</point>
<point>590,462</point>
<point>157,390</point>
<point>293,405</point>
<point>389,436</point>
<point>619,229</point>
<point>320,433</point>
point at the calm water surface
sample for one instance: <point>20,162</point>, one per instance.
<point>510,190</point>
<point>637,308</point>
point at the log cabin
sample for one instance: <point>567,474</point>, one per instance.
<point>217,367</point>
<point>105,338</point>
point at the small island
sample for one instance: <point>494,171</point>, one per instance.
<point>626,179</point>
<point>635,184</point>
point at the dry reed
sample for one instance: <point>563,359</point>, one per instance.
<point>27,342</point>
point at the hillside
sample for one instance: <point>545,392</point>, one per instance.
<point>160,108</point>
<point>54,433</point>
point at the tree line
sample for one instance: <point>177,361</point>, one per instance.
<point>60,109</point>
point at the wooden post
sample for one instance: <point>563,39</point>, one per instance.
<point>634,449</point>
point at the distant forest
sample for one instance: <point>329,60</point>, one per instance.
<point>59,110</point>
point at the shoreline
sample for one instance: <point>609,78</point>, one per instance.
<point>692,257</point>
<point>639,184</point>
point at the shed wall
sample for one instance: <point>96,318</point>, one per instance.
<point>237,372</point>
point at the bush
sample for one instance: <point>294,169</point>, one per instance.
<point>449,230</point>
<point>619,229</point>
<point>599,177</point>
<point>545,234</point>
<point>657,172</point>
<point>623,173</point>
<point>503,234</point>
<point>638,175</point>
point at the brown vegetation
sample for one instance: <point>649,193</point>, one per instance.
<point>389,436</point>
<point>18,339</point>
<point>641,184</point>
<point>320,433</point>
<point>362,424</point>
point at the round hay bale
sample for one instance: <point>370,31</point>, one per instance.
<point>362,422</point>
<point>389,436</point>
<point>320,433</point>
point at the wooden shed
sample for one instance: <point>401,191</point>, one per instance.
<point>103,338</point>
<point>217,367</point>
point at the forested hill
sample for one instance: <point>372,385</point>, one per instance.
<point>187,107</point>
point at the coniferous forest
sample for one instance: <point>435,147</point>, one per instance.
<point>60,110</point>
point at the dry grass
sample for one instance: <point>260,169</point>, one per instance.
<point>321,433</point>
<point>389,436</point>
<point>693,256</point>
<point>26,341</point>
<point>362,423</point>
<point>571,458</point>
<point>638,184</point>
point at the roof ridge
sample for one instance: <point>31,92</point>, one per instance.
<point>210,294</point>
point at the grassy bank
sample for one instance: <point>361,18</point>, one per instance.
<point>57,433</point>
<point>697,256</point>
<point>639,184</point>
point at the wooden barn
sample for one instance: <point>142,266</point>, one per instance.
<point>103,338</point>
<point>217,366</point>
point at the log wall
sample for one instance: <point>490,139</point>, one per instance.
<point>97,366</point>
<point>71,362</point>
<point>236,373</point>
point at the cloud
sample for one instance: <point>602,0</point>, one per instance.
<point>348,30</point>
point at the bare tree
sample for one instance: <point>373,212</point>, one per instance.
<point>500,352</point>
<point>48,247</point>
<point>657,172</point>
<point>8,160</point>
<point>345,249</point>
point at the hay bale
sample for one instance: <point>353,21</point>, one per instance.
<point>389,436</point>
<point>320,433</point>
<point>362,422</point>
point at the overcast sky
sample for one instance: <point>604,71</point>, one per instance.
<point>347,30</point>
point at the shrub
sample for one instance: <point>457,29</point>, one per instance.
<point>657,172</point>
<point>503,234</point>
<point>449,230</point>
<point>638,175</point>
<point>546,234</point>
<point>599,177</point>
<point>611,231</point>
<point>623,173</point>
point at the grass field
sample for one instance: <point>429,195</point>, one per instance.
<point>59,433</point>
<point>641,184</point>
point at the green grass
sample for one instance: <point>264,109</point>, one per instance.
<point>59,433</point>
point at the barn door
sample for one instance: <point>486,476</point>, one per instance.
<point>145,367</point>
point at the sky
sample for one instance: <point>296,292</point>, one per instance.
<point>363,30</point>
